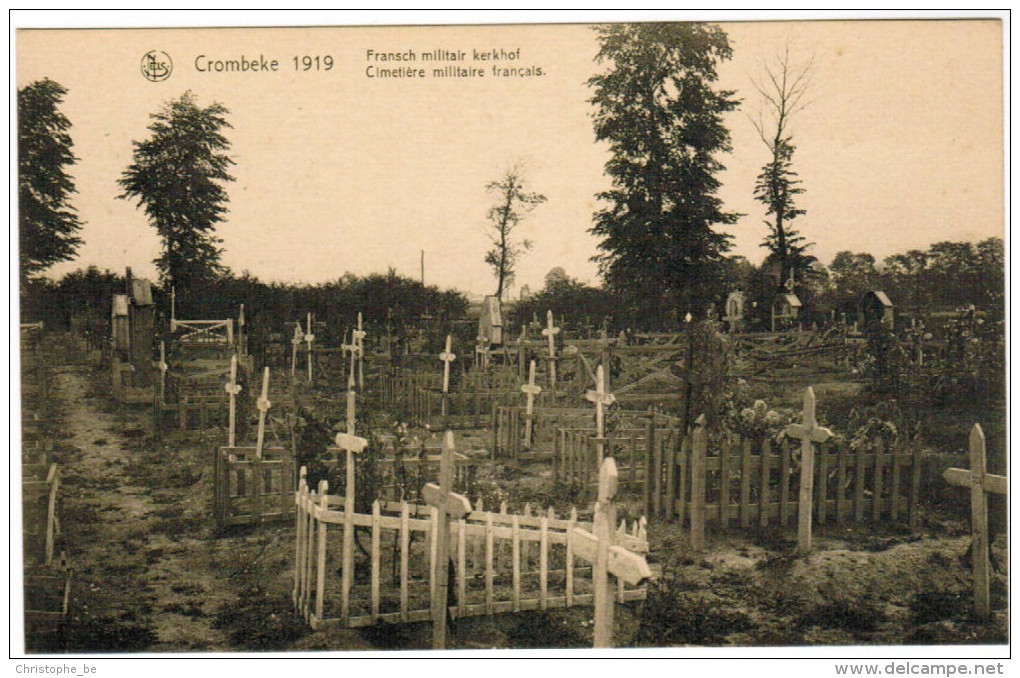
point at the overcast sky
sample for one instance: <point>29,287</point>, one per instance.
<point>336,172</point>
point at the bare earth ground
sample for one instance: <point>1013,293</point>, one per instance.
<point>152,575</point>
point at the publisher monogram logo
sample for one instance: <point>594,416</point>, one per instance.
<point>156,65</point>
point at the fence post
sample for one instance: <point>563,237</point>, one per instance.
<point>649,445</point>
<point>320,572</point>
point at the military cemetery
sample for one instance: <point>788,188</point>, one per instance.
<point>697,450</point>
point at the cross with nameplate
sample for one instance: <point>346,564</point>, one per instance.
<point>809,433</point>
<point>447,356</point>
<point>602,399</point>
<point>351,348</point>
<point>607,557</point>
<point>232,388</point>
<point>550,331</point>
<point>309,338</point>
<point>351,445</point>
<point>530,390</point>
<point>449,505</point>
<point>359,341</point>
<point>262,405</point>
<point>981,484</point>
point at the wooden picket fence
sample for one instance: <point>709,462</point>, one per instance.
<point>500,562</point>
<point>402,475</point>
<point>191,412</point>
<point>740,483</point>
<point>204,333</point>
<point>248,489</point>
<point>470,409</point>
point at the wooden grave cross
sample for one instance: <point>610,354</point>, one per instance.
<point>809,433</point>
<point>602,399</point>
<point>241,337</point>
<point>522,349</point>
<point>449,505</point>
<point>232,388</point>
<point>295,341</point>
<point>551,331</point>
<point>263,405</point>
<point>447,356</point>
<point>481,352</point>
<point>359,341</point>
<point>163,368</point>
<point>608,558</point>
<point>309,338</point>
<point>981,484</point>
<point>530,390</point>
<point>351,348</point>
<point>351,398</point>
<point>351,445</point>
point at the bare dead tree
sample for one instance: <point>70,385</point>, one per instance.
<point>783,87</point>
<point>513,204</point>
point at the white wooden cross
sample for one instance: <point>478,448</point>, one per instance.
<point>522,341</point>
<point>359,341</point>
<point>163,368</point>
<point>602,399</point>
<point>481,352</point>
<point>808,432</point>
<point>981,484</point>
<point>263,405</point>
<point>551,331</point>
<point>449,505</point>
<point>295,341</point>
<point>309,338</point>
<point>351,445</point>
<point>351,348</point>
<point>531,390</point>
<point>607,557</point>
<point>232,388</point>
<point>447,356</point>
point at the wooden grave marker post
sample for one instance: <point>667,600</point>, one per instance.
<point>351,348</point>
<point>602,399</point>
<point>309,338</point>
<point>522,349</point>
<point>232,388</point>
<point>447,356</point>
<point>351,403</point>
<point>551,331</point>
<point>607,557</point>
<point>359,340</point>
<point>809,433</point>
<point>530,390</point>
<point>163,369</point>
<point>173,309</point>
<point>263,405</point>
<point>351,445</point>
<point>295,341</point>
<point>981,485</point>
<point>449,505</point>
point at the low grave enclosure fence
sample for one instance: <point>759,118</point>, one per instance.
<point>499,563</point>
<point>735,482</point>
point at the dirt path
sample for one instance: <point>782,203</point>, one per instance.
<point>144,575</point>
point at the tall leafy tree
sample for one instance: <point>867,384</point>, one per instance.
<point>657,108</point>
<point>513,203</point>
<point>178,176</point>
<point>47,222</point>
<point>782,89</point>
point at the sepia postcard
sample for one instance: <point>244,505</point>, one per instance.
<point>679,336</point>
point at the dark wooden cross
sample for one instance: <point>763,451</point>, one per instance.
<point>449,505</point>
<point>809,433</point>
<point>981,484</point>
<point>607,557</point>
